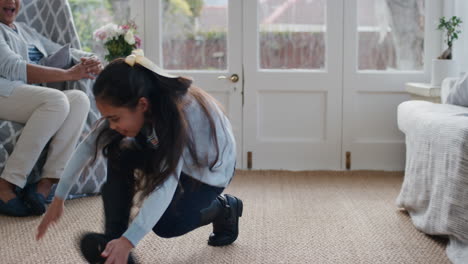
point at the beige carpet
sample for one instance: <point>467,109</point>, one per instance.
<point>289,217</point>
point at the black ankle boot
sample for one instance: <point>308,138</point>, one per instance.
<point>224,213</point>
<point>93,244</point>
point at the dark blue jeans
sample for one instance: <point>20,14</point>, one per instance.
<point>182,216</point>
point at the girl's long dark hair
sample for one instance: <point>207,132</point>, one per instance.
<point>121,85</point>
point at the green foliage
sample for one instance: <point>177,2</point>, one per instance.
<point>215,34</point>
<point>178,7</point>
<point>196,6</point>
<point>190,8</point>
<point>451,27</point>
<point>106,3</point>
<point>91,14</point>
<point>208,35</point>
<point>87,15</point>
<point>118,48</point>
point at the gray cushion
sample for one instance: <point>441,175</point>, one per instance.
<point>60,59</point>
<point>458,93</point>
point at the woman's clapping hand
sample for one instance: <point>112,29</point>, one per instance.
<point>92,64</point>
<point>88,68</point>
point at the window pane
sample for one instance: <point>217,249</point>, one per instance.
<point>292,34</point>
<point>391,34</point>
<point>90,15</point>
<point>194,34</point>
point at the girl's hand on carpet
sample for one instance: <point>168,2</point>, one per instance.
<point>117,251</point>
<point>52,216</point>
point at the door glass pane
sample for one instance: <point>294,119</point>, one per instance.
<point>96,13</point>
<point>194,34</point>
<point>391,34</point>
<point>292,34</point>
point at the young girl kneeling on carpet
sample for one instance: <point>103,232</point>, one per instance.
<point>165,139</point>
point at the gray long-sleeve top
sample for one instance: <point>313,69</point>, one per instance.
<point>14,54</point>
<point>158,201</point>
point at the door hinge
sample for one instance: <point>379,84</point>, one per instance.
<point>242,94</point>
<point>249,160</point>
<point>243,86</point>
<point>348,160</point>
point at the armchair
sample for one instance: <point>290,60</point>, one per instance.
<point>53,19</point>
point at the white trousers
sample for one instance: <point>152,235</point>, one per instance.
<point>47,114</point>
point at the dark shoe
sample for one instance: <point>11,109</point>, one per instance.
<point>226,224</point>
<point>34,200</point>
<point>14,207</point>
<point>93,244</point>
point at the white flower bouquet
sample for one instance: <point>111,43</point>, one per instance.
<point>118,40</point>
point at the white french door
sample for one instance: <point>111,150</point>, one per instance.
<point>304,82</point>
<point>374,85</point>
<point>293,107</point>
<point>207,49</point>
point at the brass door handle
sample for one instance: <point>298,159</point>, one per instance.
<point>233,78</point>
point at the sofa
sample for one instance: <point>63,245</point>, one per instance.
<point>435,187</point>
<point>53,18</point>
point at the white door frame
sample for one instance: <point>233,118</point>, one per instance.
<point>228,93</point>
<point>316,147</point>
<point>385,90</point>
<point>373,137</point>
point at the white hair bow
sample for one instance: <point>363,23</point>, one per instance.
<point>138,57</point>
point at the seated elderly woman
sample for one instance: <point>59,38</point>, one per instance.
<point>48,114</point>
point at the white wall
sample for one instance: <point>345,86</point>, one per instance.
<point>461,48</point>
<point>137,13</point>
<point>459,8</point>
